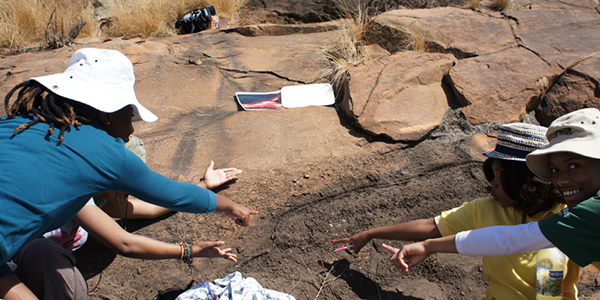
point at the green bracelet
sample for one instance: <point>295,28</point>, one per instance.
<point>188,258</point>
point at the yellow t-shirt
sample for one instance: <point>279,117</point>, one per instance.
<point>511,277</point>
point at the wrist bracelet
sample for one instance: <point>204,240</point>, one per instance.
<point>183,250</point>
<point>188,258</point>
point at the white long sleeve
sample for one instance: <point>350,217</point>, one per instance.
<point>501,240</point>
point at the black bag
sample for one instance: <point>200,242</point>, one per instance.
<point>196,20</point>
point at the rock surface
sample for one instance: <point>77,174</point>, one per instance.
<point>404,142</point>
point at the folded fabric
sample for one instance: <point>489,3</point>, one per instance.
<point>232,287</point>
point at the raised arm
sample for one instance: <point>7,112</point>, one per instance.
<point>416,230</point>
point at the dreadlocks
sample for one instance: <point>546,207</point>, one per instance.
<point>34,99</point>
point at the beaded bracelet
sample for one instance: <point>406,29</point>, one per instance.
<point>188,258</point>
<point>183,250</point>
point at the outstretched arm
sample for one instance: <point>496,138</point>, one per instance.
<point>120,205</point>
<point>502,240</point>
<point>416,230</point>
<point>123,206</point>
<point>107,231</point>
<point>488,241</point>
<point>412,254</point>
<point>239,213</point>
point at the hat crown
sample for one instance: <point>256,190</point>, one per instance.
<point>101,67</point>
<point>100,78</point>
<point>516,140</point>
<point>580,124</point>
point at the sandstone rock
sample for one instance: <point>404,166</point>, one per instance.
<point>298,10</point>
<point>489,97</point>
<point>400,96</point>
<point>421,289</point>
<point>559,35</point>
<point>189,82</point>
<point>577,88</point>
<point>277,29</point>
<point>477,144</point>
<point>197,72</point>
<point>464,33</point>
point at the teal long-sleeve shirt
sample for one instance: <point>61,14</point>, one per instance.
<point>43,184</point>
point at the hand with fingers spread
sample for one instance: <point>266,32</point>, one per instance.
<point>215,178</point>
<point>211,250</point>
<point>358,241</point>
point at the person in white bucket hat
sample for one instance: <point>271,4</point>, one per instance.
<point>100,78</point>
<point>516,196</point>
<point>572,162</point>
<point>46,178</point>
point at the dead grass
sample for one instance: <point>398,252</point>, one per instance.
<point>500,5</point>
<point>35,23</point>
<point>475,4</point>
<point>346,51</point>
<point>418,40</point>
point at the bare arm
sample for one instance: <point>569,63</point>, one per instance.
<point>11,288</point>
<point>239,213</point>
<point>416,230</point>
<point>120,205</point>
<point>412,254</point>
<point>103,228</point>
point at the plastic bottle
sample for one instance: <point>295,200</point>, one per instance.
<point>550,273</point>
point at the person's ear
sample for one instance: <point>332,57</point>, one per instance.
<point>104,118</point>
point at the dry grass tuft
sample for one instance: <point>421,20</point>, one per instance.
<point>500,5</point>
<point>475,4</point>
<point>418,41</point>
<point>46,24</point>
<point>346,51</point>
<point>55,23</point>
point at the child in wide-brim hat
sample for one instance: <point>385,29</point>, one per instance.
<point>517,196</point>
<point>572,162</point>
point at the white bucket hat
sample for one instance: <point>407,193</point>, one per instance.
<point>100,78</point>
<point>516,140</point>
<point>576,132</point>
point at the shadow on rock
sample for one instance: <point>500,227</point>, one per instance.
<point>93,258</point>
<point>364,287</point>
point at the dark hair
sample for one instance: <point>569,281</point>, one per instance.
<point>34,99</point>
<point>531,193</point>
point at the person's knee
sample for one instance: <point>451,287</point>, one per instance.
<point>49,271</point>
<point>45,252</point>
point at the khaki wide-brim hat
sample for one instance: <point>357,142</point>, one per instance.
<point>576,132</point>
<point>100,78</point>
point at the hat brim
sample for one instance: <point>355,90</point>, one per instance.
<point>95,96</point>
<point>537,161</point>
<point>502,156</point>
